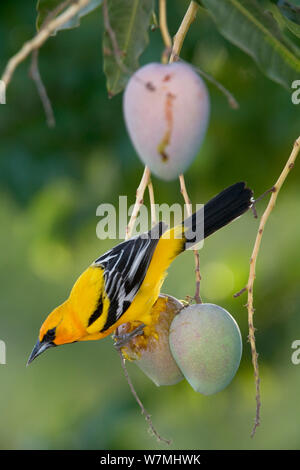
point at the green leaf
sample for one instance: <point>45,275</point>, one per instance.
<point>247,25</point>
<point>283,15</point>
<point>129,22</point>
<point>45,7</point>
<point>289,9</point>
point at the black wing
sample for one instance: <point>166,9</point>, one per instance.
<point>125,267</point>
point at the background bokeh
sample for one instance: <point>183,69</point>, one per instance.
<point>51,182</point>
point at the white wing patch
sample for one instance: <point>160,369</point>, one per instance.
<point>125,267</point>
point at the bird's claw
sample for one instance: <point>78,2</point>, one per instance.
<point>122,339</point>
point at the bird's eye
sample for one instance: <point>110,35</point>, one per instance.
<point>50,335</point>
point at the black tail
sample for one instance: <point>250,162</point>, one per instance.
<point>218,212</point>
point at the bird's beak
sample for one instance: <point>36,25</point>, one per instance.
<point>38,349</point>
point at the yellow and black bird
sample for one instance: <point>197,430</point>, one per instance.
<point>123,284</point>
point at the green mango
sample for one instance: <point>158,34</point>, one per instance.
<point>206,344</point>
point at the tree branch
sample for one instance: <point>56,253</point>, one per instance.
<point>34,72</point>
<point>230,98</point>
<point>39,39</point>
<point>152,202</point>
<point>36,77</point>
<point>144,411</point>
<point>188,203</point>
<point>252,272</point>
<point>138,201</point>
<point>163,25</point>
<point>179,37</point>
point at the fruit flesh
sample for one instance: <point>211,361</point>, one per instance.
<point>152,353</point>
<point>166,110</point>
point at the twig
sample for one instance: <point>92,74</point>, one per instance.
<point>144,411</point>
<point>53,13</point>
<point>253,207</point>
<point>34,72</point>
<point>252,272</point>
<point>183,29</point>
<point>177,45</point>
<point>271,190</point>
<point>154,23</point>
<point>233,103</point>
<point>36,77</point>
<point>178,41</point>
<point>145,181</point>
<point>240,292</point>
<point>163,25</point>
<point>152,203</point>
<point>188,203</point>
<point>39,39</point>
<point>138,201</point>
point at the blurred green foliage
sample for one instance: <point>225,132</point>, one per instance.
<point>51,184</point>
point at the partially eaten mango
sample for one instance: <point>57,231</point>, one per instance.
<point>151,351</point>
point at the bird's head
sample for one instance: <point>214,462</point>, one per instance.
<point>58,328</point>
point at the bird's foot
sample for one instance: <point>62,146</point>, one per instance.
<point>122,339</point>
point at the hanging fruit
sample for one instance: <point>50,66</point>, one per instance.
<point>206,343</point>
<point>166,108</point>
<point>151,352</point>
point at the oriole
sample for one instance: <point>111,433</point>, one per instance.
<point>123,284</point>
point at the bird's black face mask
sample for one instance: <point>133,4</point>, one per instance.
<point>41,346</point>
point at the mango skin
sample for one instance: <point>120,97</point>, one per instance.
<point>206,343</point>
<point>152,354</point>
<point>166,110</point>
